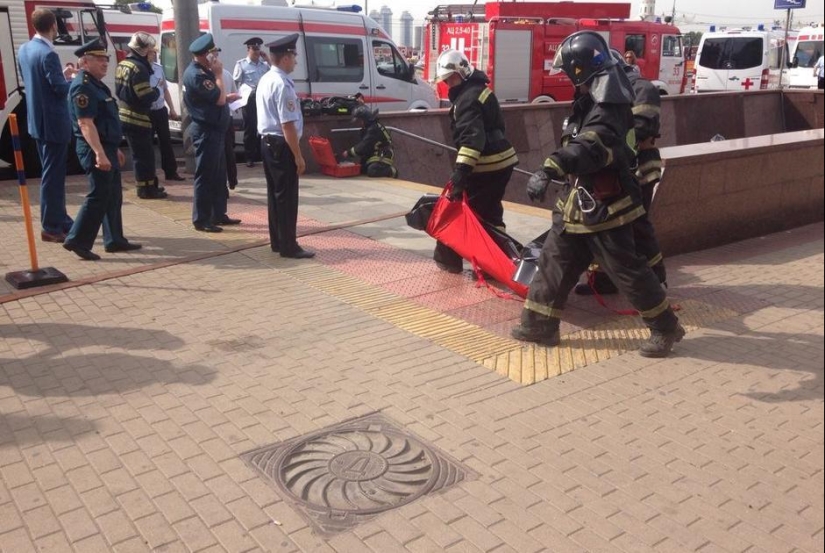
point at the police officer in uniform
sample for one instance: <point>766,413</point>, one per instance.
<point>98,131</point>
<point>594,212</point>
<point>136,97</point>
<point>486,159</point>
<point>375,147</point>
<point>281,125</point>
<point>646,123</point>
<point>205,99</point>
<point>248,71</point>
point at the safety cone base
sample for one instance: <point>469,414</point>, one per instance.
<point>23,280</point>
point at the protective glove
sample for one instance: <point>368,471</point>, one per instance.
<point>537,186</point>
<point>458,179</point>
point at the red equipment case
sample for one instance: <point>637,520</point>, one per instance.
<point>322,150</point>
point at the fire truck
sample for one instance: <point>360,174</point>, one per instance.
<point>78,21</point>
<point>515,43</point>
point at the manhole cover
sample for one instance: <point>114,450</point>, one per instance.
<point>351,472</point>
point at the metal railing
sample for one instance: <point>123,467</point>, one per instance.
<point>426,141</point>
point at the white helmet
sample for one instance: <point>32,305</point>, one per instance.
<point>453,61</point>
<point>142,42</point>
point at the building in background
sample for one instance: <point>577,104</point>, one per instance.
<point>386,20</point>
<point>647,10</point>
<point>406,35</point>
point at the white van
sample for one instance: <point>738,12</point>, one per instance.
<point>804,53</point>
<point>339,53</point>
<point>739,60</point>
<point>121,26</point>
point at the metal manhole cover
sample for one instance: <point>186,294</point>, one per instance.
<point>346,474</point>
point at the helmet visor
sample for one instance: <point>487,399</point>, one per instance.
<point>558,63</point>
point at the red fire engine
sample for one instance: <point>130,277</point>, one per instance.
<point>515,43</point>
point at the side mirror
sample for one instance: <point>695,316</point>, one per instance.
<point>795,62</point>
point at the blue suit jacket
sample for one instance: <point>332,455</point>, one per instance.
<point>46,92</point>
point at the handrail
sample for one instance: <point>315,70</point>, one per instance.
<point>426,141</point>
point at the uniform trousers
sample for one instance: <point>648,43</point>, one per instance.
<point>644,236</point>
<point>229,154</point>
<point>281,193</point>
<point>251,141</point>
<point>566,256</point>
<point>160,125</point>
<point>209,204</point>
<point>53,216</point>
<point>485,192</point>
<point>103,205</point>
<point>143,154</point>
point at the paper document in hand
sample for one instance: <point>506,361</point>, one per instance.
<point>237,104</point>
<point>245,90</point>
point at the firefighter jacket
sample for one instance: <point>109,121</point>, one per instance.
<point>134,93</point>
<point>375,145</point>
<point>646,114</point>
<point>478,128</point>
<point>597,155</point>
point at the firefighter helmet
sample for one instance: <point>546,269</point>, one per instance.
<point>582,56</point>
<point>453,61</point>
<point>142,42</point>
<point>365,114</point>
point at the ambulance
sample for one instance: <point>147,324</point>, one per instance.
<point>804,53</point>
<point>340,52</point>
<point>740,60</point>
<point>514,43</point>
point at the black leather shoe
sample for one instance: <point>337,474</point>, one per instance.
<point>228,221</point>
<point>175,177</point>
<point>233,185</point>
<point>123,247</point>
<point>208,228</point>
<point>56,237</point>
<point>82,253</point>
<point>300,253</point>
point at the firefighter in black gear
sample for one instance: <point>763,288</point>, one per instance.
<point>595,209</point>
<point>135,98</point>
<point>375,148</point>
<point>486,159</point>
<point>646,123</point>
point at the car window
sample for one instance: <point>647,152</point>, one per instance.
<point>388,61</point>
<point>333,59</point>
<point>731,53</point>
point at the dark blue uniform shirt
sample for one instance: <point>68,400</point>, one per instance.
<point>201,94</point>
<point>90,98</point>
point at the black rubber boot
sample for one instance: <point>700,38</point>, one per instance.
<point>660,344</point>
<point>537,329</point>
<point>601,283</point>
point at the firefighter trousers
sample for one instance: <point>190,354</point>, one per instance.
<point>485,192</point>
<point>645,237</point>
<point>143,154</point>
<point>565,256</point>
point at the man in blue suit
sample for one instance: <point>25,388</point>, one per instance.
<point>48,114</point>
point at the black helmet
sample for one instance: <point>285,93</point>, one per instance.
<point>365,114</point>
<point>582,56</point>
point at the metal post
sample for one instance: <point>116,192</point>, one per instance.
<point>187,29</point>
<point>784,52</point>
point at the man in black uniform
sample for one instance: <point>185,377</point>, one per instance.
<point>205,99</point>
<point>486,159</point>
<point>646,122</point>
<point>375,148</point>
<point>136,97</point>
<point>593,215</point>
<point>97,128</point>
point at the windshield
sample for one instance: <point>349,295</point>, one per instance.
<point>807,52</point>
<point>731,53</point>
